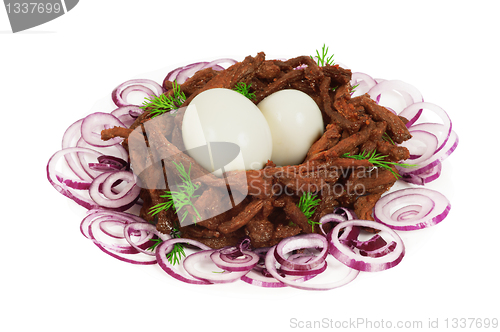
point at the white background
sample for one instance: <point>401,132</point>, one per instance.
<point>51,75</point>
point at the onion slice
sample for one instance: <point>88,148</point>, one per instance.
<point>302,241</point>
<point>100,190</point>
<point>356,260</point>
<point>107,243</point>
<point>270,262</point>
<point>161,256</point>
<point>94,123</point>
<point>191,265</point>
<point>246,261</point>
<point>119,94</point>
<point>70,187</point>
<point>411,209</point>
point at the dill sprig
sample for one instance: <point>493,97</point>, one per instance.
<point>156,244</point>
<point>323,58</point>
<point>162,104</point>
<point>181,198</point>
<point>378,161</point>
<point>388,138</point>
<point>244,89</point>
<point>174,256</point>
<point>307,204</point>
<point>353,88</point>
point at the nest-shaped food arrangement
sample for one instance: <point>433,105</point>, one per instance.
<point>331,175</point>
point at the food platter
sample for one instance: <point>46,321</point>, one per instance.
<point>391,100</point>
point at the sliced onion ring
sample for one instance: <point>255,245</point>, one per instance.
<point>346,255</point>
<point>244,262</point>
<point>411,209</point>
<point>302,241</point>
<point>270,262</point>
<point>67,186</point>
<point>410,94</point>
<point>100,190</point>
<point>216,277</point>
<point>161,256</point>
<point>426,165</point>
<point>94,123</point>
<point>120,92</point>
<point>119,251</point>
<point>143,227</point>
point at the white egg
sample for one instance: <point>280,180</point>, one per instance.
<point>296,123</point>
<point>224,115</point>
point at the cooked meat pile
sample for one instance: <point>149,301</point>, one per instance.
<point>269,212</point>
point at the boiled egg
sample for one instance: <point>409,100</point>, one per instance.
<point>222,115</point>
<point>295,121</point>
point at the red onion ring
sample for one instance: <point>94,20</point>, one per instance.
<point>409,93</point>
<point>303,258</point>
<point>331,217</point>
<point>119,94</point>
<point>423,151</point>
<point>108,164</point>
<point>423,178</point>
<point>127,114</point>
<point>345,253</point>
<point>270,262</point>
<point>434,160</point>
<point>94,123</point>
<point>181,74</point>
<point>411,209</point>
<point>161,256</point>
<point>363,81</point>
<point>100,190</point>
<point>150,229</point>
<point>302,241</point>
<point>190,265</point>
<point>244,262</point>
<point>69,140</point>
<point>68,187</point>
<point>93,222</point>
<point>413,112</point>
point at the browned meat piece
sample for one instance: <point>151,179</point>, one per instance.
<point>107,134</point>
<point>267,71</point>
<point>221,241</point>
<point>339,76</point>
<point>363,207</point>
<point>239,72</point>
<point>342,105</point>
<point>242,218</point>
<point>394,152</point>
<point>280,84</point>
<point>395,126</point>
<point>313,181</point>
<point>329,138</point>
<point>348,144</point>
<point>283,231</point>
<point>371,181</point>
<point>295,215</point>
<point>194,83</point>
<point>260,231</point>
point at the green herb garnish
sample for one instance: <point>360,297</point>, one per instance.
<point>174,256</point>
<point>388,138</point>
<point>157,242</point>
<point>181,198</point>
<point>163,103</point>
<point>322,58</point>
<point>307,204</point>
<point>378,161</point>
<point>353,88</point>
<point>244,90</point>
